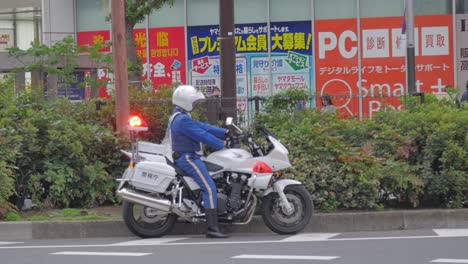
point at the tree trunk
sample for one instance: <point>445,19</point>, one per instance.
<point>52,86</point>
<point>134,73</point>
<point>20,81</point>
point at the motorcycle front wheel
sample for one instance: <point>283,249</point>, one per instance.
<point>288,223</point>
<point>147,222</point>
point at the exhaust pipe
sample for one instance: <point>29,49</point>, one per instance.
<point>153,202</point>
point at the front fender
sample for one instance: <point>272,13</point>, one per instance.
<point>280,185</point>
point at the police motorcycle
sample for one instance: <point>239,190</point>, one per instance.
<point>156,193</point>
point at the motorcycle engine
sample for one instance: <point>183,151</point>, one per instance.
<point>232,188</point>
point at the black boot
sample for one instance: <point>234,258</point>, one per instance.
<point>213,231</point>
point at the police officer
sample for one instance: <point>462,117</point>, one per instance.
<point>186,136</point>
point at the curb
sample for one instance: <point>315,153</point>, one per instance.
<point>321,222</point>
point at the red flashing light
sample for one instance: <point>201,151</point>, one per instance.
<point>262,167</point>
<point>135,123</point>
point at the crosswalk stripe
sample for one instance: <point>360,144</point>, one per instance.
<point>450,261</point>
<point>116,254</point>
<point>290,257</point>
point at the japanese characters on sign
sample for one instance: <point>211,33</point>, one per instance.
<point>166,62</point>
<point>6,38</point>
<point>290,63</point>
<point>383,61</point>
<point>71,89</point>
<point>90,38</point>
<point>462,47</point>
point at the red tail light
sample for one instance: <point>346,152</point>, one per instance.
<point>262,167</point>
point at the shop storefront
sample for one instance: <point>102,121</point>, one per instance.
<point>353,50</point>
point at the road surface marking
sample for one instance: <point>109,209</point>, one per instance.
<point>285,257</point>
<point>450,261</point>
<point>200,243</point>
<point>310,237</point>
<point>9,243</point>
<point>149,242</point>
<point>452,232</point>
<point>116,254</point>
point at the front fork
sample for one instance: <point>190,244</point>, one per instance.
<point>279,187</point>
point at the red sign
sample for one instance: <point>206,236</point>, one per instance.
<point>89,38</point>
<point>201,65</point>
<point>383,69</point>
<point>337,62</point>
<point>167,56</point>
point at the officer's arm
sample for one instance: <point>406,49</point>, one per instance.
<point>192,130</point>
<point>217,131</point>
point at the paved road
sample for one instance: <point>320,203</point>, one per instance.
<point>412,247</point>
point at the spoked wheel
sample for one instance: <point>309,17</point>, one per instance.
<point>282,222</point>
<point>147,222</point>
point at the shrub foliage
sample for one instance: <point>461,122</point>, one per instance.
<point>63,154</point>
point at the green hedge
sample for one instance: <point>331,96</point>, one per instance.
<point>59,153</point>
<point>64,154</point>
<point>412,158</point>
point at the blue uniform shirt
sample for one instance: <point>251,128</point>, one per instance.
<point>186,134</point>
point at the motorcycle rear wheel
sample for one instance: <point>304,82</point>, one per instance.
<point>279,221</point>
<point>146,222</point>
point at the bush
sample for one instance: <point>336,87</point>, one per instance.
<point>411,158</point>
<point>7,154</point>
<point>12,217</point>
<point>60,158</point>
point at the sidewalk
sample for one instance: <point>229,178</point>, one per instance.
<point>321,222</point>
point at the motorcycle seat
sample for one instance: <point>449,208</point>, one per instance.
<point>177,169</point>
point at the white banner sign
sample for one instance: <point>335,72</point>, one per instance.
<point>6,38</point>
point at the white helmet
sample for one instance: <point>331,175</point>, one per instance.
<point>185,96</point>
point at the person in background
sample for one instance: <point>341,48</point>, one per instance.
<point>464,97</point>
<point>327,105</point>
<point>216,92</point>
<point>213,106</point>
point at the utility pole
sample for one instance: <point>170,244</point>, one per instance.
<point>227,52</point>
<point>119,51</point>
<point>410,60</point>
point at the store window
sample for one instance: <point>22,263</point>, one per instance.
<point>462,6</point>
<point>248,11</point>
<point>332,9</point>
<point>168,16</point>
<point>25,33</point>
<point>202,12</point>
<point>432,7</point>
<point>382,8</point>
<point>91,15</point>
<point>298,10</point>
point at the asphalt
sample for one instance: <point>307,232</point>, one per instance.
<point>321,222</point>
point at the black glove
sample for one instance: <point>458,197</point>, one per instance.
<point>229,134</point>
<point>227,142</point>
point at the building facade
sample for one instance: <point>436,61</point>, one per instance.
<point>354,50</point>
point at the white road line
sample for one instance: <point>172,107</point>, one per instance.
<point>452,232</point>
<point>2,243</point>
<point>116,254</point>
<point>310,237</point>
<point>285,257</point>
<point>450,261</point>
<point>199,243</point>
<point>149,242</point>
